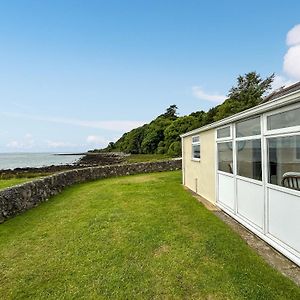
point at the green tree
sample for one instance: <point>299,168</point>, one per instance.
<point>250,88</point>
<point>247,93</point>
<point>210,115</point>
<point>154,134</point>
<point>176,128</point>
<point>161,148</point>
<point>171,112</point>
<point>132,140</point>
<point>175,149</point>
<point>110,147</point>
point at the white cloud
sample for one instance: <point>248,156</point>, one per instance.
<point>96,140</point>
<point>212,97</point>
<point>293,36</point>
<point>291,64</point>
<point>27,142</point>
<point>113,125</point>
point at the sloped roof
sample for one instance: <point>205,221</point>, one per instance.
<point>282,91</point>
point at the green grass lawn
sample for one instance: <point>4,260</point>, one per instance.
<point>7,180</point>
<point>134,158</point>
<point>4,183</point>
<point>134,237</point>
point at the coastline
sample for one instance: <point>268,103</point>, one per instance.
<point>68,154</point>
<point>87,160</point>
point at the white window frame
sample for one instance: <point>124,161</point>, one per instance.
<point>249,138</point>
<point>228,139</point>
<point>198,143</point>
<point>290,129</point>
<point>224,138</point>
<point>277,133</point>
<point>223,141</point>
<point>272,185</point>
<point>264,232</point>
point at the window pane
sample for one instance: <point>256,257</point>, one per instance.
<point>248,127</point>
<point>225,161</point>
<point>249,159</point>
<point>223,132</point>
<point>284,162</point>
<point>196,151</point>
<point>298,147</point>
<point>195,139</point>
<point>285,119</point>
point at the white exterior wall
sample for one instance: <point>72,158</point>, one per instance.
<point>199,176</point>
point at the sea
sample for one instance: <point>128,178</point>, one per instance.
<point>35,160</point>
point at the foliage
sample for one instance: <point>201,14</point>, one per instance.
<point>154,134</point>
<point>133,237</point>
<point>175,129</point>
<point>174,149</point>
<point>171,112</point>
<point>162,135</point>
<point>248,93</point>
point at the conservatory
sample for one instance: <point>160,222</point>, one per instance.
<point>249,166</point>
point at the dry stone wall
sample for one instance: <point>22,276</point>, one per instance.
<point>20,198</point>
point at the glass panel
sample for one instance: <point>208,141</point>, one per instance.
<point>249,159</point>
<point>195,139</point>
<point>298,147</point>
<point>248,127</point>
<point>284,164</point>
<point>285,119</point>
<point>225,160</point>
<point>196,151</point>
<point>223,132</point>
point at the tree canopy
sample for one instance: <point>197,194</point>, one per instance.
<point>162,135</point>
<point>247,93</point>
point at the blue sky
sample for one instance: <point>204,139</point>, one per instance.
<point>75,75</point>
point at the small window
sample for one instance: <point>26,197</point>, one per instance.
<point>223,132</point>
<point>195,139</point>
<point>284,119</point>
<point>196,147</point>
<point>225,158</point>
<point>248,127</point>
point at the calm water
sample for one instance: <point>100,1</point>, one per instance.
<point>22,160</point>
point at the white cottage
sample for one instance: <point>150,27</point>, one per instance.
<point>249,166</point>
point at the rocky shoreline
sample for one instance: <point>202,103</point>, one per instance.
<point>89,159</point>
